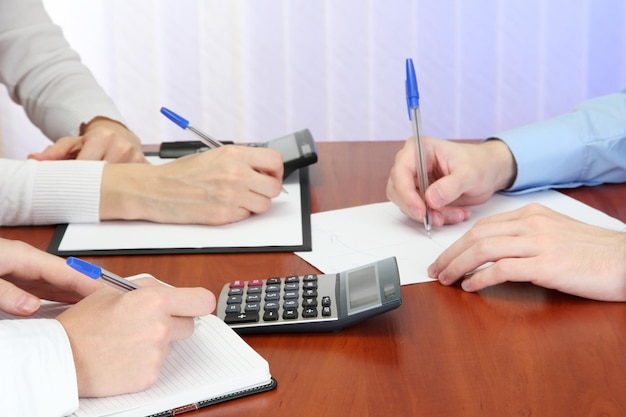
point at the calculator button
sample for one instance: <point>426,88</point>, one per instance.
<point>309,302</point>
<point>326,301</point>
<point>235,291</point>
<point>309,293</point>
<point>241,318</point>
<point>272,296</point>
<point>252,307</point>
<point>274,280</point>
<point>233,308</point>
<point>290,314</point>
<point>292,279</point>
<point>326,311</point>
<point>270,306</point>
<point>292,286</point>
<point>270,315</point>
<point>237,284</point>
<point>255,283</point>
<point>254,290</point>
<point>310,277</point>
<point>312,285</point>
<point>272,288</point>
<point>309,312</point>
<point>234,299</point>
<point>253,298</point>
<point>290,295</point>
<point>290,305</point>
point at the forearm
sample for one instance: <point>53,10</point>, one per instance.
<point>56,90</point>
<point>584,147</point>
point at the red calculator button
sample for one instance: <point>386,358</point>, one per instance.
<point>255,283</point>
<point>237,284</point>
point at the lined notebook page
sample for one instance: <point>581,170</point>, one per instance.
<point>212,362</point>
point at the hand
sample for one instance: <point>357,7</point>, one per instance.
<point>538,245</point>
<point>29,274</point>
<point>120,339</point>
<point>460,174</point>
<point>219,186</point>
<point>101,139</point>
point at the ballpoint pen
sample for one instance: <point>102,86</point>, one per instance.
<point>184,124</point>
<point>204,137</point>
<point>95,272</point>
<point>413,106</point>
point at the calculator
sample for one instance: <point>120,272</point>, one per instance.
<point>310,303</point>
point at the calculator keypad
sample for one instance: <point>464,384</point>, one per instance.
<point>279,301</point>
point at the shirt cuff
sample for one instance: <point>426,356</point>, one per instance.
<point>67,192</point>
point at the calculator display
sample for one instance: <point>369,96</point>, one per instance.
<point>287,146</point>
<point>363,289</point>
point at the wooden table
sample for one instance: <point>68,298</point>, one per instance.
<point>510,350</point>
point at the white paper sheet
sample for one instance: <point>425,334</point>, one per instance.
<point>347,238</point>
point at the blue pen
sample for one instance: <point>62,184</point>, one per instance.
<point>184,124</point>
<point>95,272</point>
<point>413,107</point>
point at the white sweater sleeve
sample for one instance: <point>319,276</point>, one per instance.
<point>38,373</point>
<point>49,192</point>
<point>44,75</point>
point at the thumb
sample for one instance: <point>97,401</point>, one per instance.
<point>14,300</point>
<point>444,191</point>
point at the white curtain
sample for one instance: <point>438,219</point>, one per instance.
<point>254,70</point>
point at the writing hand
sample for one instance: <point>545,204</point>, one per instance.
<point>461,174</point>
<point>538,245</point>
<point>220,186</point>
<point>120,339</point>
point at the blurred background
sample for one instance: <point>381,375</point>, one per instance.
<point>255,70</point>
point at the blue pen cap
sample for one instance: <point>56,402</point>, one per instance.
<point>92,271</point>
<point>180,121</point>
<point>412,93</point>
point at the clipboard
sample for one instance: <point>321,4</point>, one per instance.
<point>125,230</point>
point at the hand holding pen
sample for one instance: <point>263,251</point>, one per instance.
<point>204,137</point>
<point>119,340</point>
<point>111,279</point>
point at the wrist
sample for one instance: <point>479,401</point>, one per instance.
<point>105,122</point>
<point>124,190</point>
<point>503,161</point>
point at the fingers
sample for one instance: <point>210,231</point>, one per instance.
<point>110,149</point>
<point>504,270</point>
<point>15,301</point>
<point>64,148</point>
<point>402,183</point>
<point>267,161</point>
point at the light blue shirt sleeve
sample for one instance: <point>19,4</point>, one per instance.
<point>584,147</point>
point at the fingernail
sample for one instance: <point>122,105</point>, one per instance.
<point>436,198</point>
<point>432,271</point>
<point>416,213</point>
<point>466,285</point>
<point>28,304</point>
<point>443,277</point>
